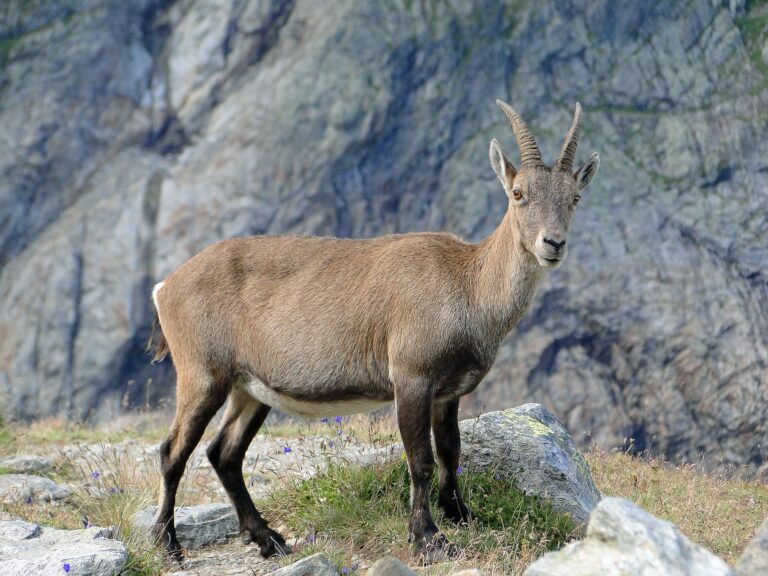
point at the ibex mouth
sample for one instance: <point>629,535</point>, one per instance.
<point>550,262</point>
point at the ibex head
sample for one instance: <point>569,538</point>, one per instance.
<point>542,199</point>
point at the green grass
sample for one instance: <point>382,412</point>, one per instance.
<point>363,511</point>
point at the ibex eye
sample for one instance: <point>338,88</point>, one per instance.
<point>516,194</point>
<point>576,199</point>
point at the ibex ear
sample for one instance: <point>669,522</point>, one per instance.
<point>501,165</point>
<point>587,171</point>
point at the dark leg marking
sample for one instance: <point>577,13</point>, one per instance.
<point>242,420</point>
<point>188,426</point>
<point>414,411</point>
<point>445,425</point>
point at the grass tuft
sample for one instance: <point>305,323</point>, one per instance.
<point>362,512</point>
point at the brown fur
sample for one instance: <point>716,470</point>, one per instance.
<point>311,323</point>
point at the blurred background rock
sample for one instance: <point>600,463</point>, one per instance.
<point>133,134</point>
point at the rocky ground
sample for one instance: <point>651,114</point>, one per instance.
<point>527,445</point>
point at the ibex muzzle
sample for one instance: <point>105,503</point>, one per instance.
<point>319,326</point>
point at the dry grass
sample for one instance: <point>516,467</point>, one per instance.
<point>717,510</point>
<point>19,438</point>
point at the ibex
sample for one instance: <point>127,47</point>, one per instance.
<point>325,326</point>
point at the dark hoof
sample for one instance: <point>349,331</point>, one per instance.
<point>437,549</point>
<point>173,550</point>
<point>271,544</point>
<point>170,545</point>
<point>276,546</point>
<point>175,553</point>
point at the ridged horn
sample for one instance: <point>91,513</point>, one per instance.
<point>568,152</point>
<point>529,151</point>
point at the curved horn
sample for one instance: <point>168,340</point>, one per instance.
<point>568,152</point>
<point>529,151</point>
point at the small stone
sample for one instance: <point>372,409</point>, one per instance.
<point>20,487</point>
<point>390,567</point>
<point>754,559</point>
<point>196,526</point>
<point>315,565</point>
<point>28,464</point>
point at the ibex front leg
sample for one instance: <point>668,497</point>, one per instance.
<point>414,399</point>
<point>445,425</point>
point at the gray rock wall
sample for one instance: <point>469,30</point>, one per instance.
<point>134,134</point>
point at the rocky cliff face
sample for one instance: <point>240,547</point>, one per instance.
<point>136,133</point>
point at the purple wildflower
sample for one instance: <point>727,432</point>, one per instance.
<point>330,443</point>
<point>311,538</point>
<point>345,570</point>
<point>339,431</point>
<point>324,420</point>
<point>95,474</point>
<point>459,470</point>
<point>338,419</point>
<point>286,449</point>
<point>66,567</point>
<point>113,490</point>
<point>28,501</point>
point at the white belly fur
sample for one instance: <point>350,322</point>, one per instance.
<point>266,395</point>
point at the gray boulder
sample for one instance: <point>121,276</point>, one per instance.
<point>315,565</point>
<point>20,487</point>
<point>196,526</point>
<point>27,550</point>
<point>528,445</point>
<point>623,539</point>
<point>26,464</point>
<point>754,559</point>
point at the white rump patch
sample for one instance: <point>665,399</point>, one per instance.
<point>307,409</point>
<point>155,290</point>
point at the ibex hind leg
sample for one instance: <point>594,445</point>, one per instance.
<point>242,420</point>
<point>197,400</point>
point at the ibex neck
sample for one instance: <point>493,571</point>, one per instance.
<point>506,277</point>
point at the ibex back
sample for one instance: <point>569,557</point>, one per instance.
<point>323,326</point>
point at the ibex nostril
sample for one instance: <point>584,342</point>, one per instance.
<point>555,245</point>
